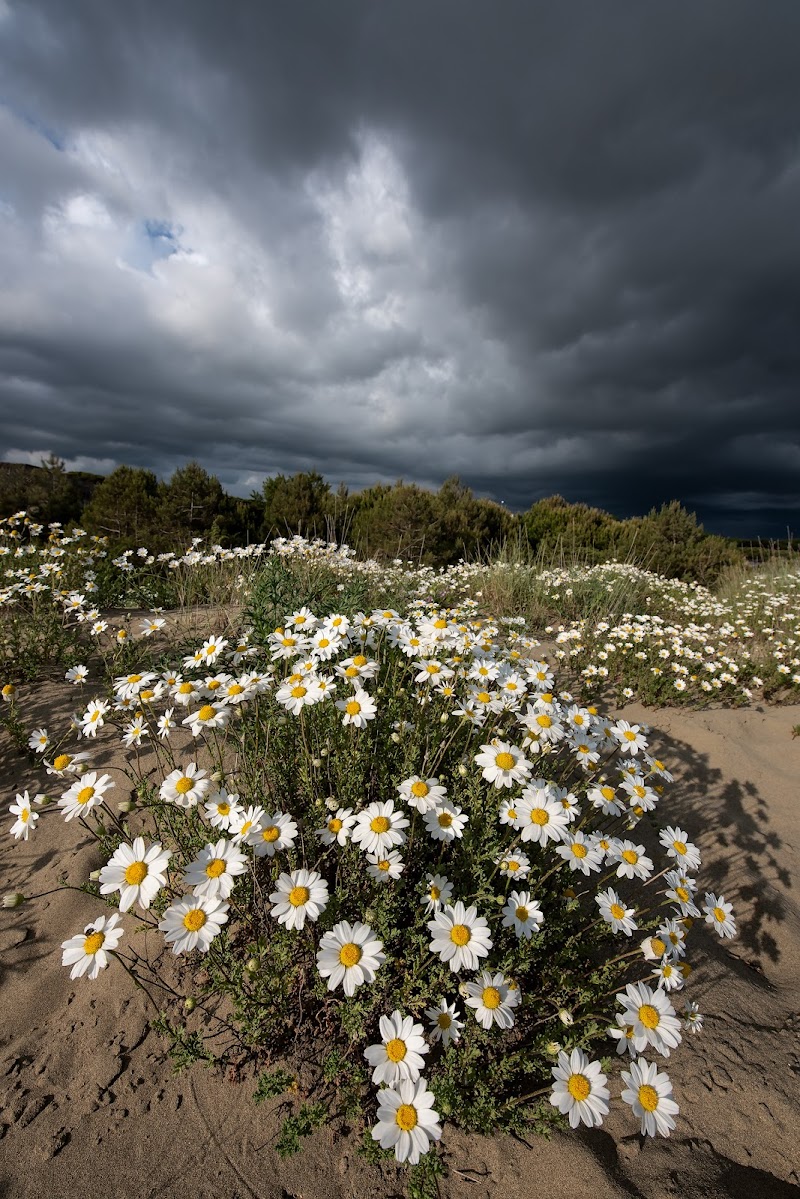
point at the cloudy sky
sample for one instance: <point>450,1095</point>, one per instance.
<point>547,247</point>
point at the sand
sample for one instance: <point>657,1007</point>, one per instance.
<point>90,1108</point>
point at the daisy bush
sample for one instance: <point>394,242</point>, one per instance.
<point>383,856</point>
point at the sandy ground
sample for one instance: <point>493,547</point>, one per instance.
<point>90,1109</point>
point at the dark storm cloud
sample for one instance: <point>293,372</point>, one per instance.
<point>547,247</point>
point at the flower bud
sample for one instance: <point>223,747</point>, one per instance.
<point>566,1017</point>
<point>94,876</point>
<point>552,1048</point>
<point>396,738</point>
<point>323,753</point>
<point>189,1004</point>
<point>216,776</point>
<point>316,763</point>
<point>14,899</point>
<point>443,719</point>
<point>252,965</point>
<point>127,805</point>
<point>462,770</point>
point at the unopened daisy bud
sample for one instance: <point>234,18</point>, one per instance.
<point>323,753</point>
<point>252,965</point>
<point>94,876</point>
<point>462,770</point>
<point>189,1004</point>
<point>82,768</point>
<point>395,737</point>
<point>444,718</point>
<point>316,763</point>
<point>127,805</point>
<point>552,1048</point>
<point>281,721</point>
<point>462,990</point>
<point>566,1017</point>
<point>216,776</point>
<point>569,893</point>
<point>331,803</point>
<point>14,899</point>
<point>500,900</point>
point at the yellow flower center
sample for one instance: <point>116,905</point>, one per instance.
<point>396,1050</point>
<point>380,824</point>
<point>134,678</point>
<point>206,712</point>
<point>271,834</point>
<point>183,785</point>
<point>649,1016</point>
<point>299,691</point>
<point>215,867</point>
<point>512,866</point>
<point>490,998</point>
<point>335,825</point>
<point>406,1117</point>
<point>648,1097</point>
<point>640,791</point>
<point>617,911</point>
<point>459,934</point>
<point>445,819</point>
<point>359,660</point>
<point>298,896</point>
<point>629,735</point>
<point>579,849</point>
<point>25,815</point>
<point>521,913</point>
<point>544,721</point>
<point>146,694</point>
<point>579,1086</point>
<point>440,623</point>
<point>93,943</point>
<point>682,894</point>
<point>444,1020</point>
<point>62,761</point>
<point>235,689</point>
<point>658,946</point>
<point>434,893</point>
<point>630,856</point>
<point>719,915</point>
<point>353,707</point>
<point>223,809</point>
<point>248,824</point>
<point>194,920</point>
<point>351,671</point>
<point>85,794</point>
<point>607,792</point>
<point>512,813</point>
<point>504,761</point>
<point>136,872</point>
<point>419,789</point>
<point>540,816</point>
<point>350,954</point>
<point>186,689</point>
<point>680,847</point>
<point>484,697</point>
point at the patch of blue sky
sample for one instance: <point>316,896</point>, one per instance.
<point>56,138</point>
<point>149,242</point>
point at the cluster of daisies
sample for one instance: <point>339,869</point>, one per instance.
<point>470,674</point>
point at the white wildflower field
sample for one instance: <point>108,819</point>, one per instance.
<point>371,833</point>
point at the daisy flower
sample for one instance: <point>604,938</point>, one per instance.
<point>579,1090</point>
<point>629,736</point>
<point>277,831</point>
<point>25,817</point>
<point>77,674</point>
<point>514,864</point>
<point>502,764</point>
<point>358,710</point>
<point>492,999</point>
<point>185,787</point>
<point>193,922</point>
<point>407,1121</point>
<point>669,975</point>
<point>294,696</point>
<point>581,853</point>
<point>439,891</point>
<point>247,821</point>
<point>93,718</point>
<point>615,913</point>
<point>446,1024</point>
<point>379,827</point>
<point>39,740</point>
<point>445,822</point>
<point>383,867</point>
<point>678,846</point>
<point>400,1055</point>
<point>422,794</point>
<point>165,723</point>
<point>633,863</point>
<point>460,937</point>
<point>338,827</point>
<point>649,1093</point>
<point>680,890</point>
<point>350,955</point>
<point>214,871</point>
<point>542,818</point>
<point>138,873</point>
<point>135,732</point>
<point>522,914</point>
<point>626,1038</point>
<point>222,809</point>
<point>652,1016</point>
<point>210,716</point>
<point>84,793</point>
<point>300,895</point>
<point>87,953</point>
<point>719,915</point>
<point>66,764</point>
<point>510,814</point>
<point>692,1019</point>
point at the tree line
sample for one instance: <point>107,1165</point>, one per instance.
<point>132,507</point>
